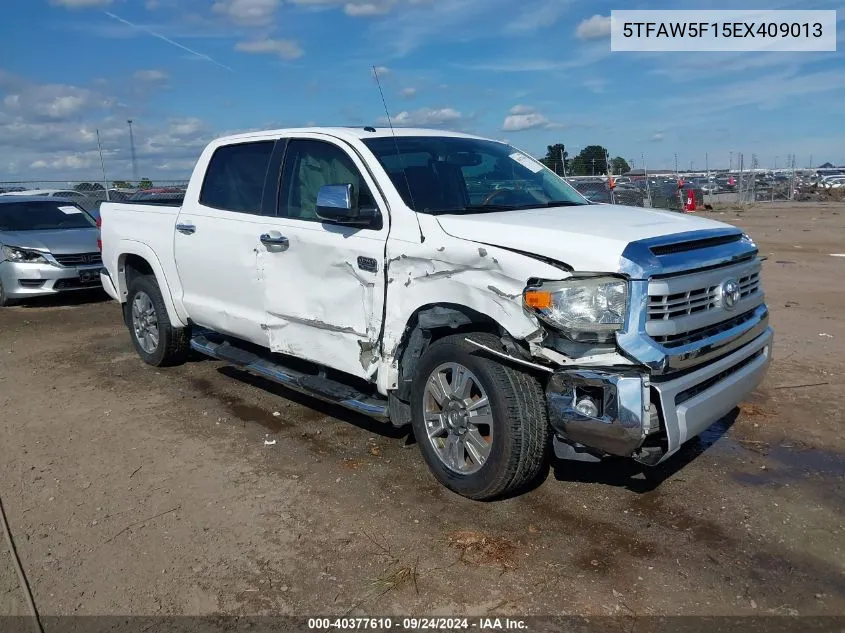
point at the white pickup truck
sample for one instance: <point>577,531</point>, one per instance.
<point>452,283</point>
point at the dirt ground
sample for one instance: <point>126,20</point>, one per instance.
<point>199,489</point>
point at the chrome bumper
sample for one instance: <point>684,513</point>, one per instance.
<point>22,280</point>
<point>687,405</point>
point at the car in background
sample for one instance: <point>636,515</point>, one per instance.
<point>600,192</point>
<point>159,195</point>
<point>47,246</point>
<point>67,194</point>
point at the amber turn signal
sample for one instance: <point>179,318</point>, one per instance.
<point>538,299</point>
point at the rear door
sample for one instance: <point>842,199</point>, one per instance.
<point>217,242</point>
<point>324,283</point>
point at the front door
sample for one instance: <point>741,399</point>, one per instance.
<point>323,283</point>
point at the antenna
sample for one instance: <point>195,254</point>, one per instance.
<point>398,153</point>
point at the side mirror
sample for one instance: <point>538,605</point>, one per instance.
<point>335,203</point>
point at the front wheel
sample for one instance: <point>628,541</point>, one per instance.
<point>482,426</point>
<point>157,342</point>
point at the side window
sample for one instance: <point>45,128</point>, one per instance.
<point>308,166</point>
<point>234,180</point>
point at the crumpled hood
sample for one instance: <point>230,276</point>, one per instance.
<point>587,238</point>
<point>58,241</point>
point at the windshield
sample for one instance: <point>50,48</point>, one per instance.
<point>43,216</point>
<point>442,174</point>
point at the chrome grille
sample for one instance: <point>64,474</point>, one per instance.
<point>690,303</point>
<point>662,307</point>
<point>79,259</point>
<point>702,334</point>
<point>680,313</point>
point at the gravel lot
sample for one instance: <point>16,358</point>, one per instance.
<point>132,490</point>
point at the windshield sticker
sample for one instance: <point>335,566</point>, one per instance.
<point>69,210</point>
<point>525,161</point>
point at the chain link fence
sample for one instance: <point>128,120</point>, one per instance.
<point>90,194</point>
<point>638,188</point>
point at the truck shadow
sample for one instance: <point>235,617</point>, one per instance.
<point>65,299</point>
<point>626,473</point>
<point>322,407</point>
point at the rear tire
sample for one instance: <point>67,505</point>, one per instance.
<point>157,342</point>
<point>502,405</point>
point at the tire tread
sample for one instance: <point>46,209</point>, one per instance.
<point>525,414</point>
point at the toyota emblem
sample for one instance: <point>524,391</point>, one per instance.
<point>730,294</point>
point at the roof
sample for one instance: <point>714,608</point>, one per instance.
<point>348,133</point>
<point>33,198</point>
<point>34,192</point>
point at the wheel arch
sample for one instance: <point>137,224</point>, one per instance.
<point>139,259</point>
<point>433,321</point>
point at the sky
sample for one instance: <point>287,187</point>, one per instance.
<point>531,72</point>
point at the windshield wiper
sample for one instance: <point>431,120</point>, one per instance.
<point>561,203</point>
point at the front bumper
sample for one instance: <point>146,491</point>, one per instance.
<point>21,281</point>
<point>651,419</point>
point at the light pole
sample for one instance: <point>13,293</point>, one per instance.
<point>132,152</point>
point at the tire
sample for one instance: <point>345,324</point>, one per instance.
<point>172,344</point>
<point>518,427</point>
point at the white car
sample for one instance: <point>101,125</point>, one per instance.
<point>384,272</point>
<point>67,194</point>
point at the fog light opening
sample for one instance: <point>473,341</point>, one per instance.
<point>588,407</point>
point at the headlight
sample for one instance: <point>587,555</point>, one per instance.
<point>24,255</point>
<point>586,310</point>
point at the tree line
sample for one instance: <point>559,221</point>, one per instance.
<point>144,183</point>
<point>590,161</point>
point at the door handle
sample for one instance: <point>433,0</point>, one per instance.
<point>187,229</point>
<point>278,240</point>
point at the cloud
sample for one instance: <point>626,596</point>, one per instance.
<point>358,8</point>
<point>524,117</point>
<point>247,12</point>
<point>537,16</point>
<point>151,75</point>
<point>49,132</point>
<point>381,70</point>
<point>69,161</point>
<point>52,101</point>
<point>521,109</point>
<point>423,22</point>
<point>366,8</point>
<point>80,4</point>
<point>657,137</point>
<point>286,49</point>
<point>425,117</point>
<point>409,92</point>
<point>593,28</point>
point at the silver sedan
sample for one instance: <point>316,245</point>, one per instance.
<point>47,246</point>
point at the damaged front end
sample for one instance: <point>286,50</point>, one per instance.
<point>694,335</point>
<point>595,412</point>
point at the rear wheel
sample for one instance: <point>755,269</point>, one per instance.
<point>157,342</point>
<point>482,426</point>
